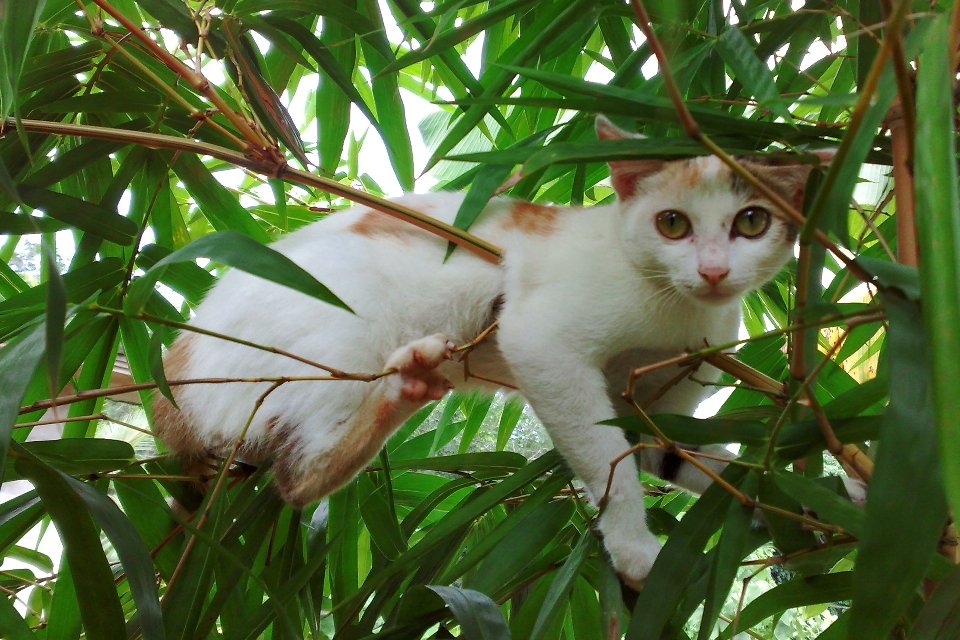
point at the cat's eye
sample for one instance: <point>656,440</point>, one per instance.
<point>751,222</point>
<point>673,224</point>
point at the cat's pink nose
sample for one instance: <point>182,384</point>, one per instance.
<point>714,275</point>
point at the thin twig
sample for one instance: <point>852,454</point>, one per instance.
<point>143,386</point>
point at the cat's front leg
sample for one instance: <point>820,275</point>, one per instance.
<point>569,396</point>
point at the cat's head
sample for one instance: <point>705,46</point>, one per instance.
<point>695,227</point>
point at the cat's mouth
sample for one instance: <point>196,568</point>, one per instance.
<point>713,295</point>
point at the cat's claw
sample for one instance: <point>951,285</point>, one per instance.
<point>417,363</point>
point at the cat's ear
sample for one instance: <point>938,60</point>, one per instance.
<point>625,174</point>
<point>788,176</point>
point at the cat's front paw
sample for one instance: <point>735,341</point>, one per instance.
<point>417,362</point>
<point>633,559</point>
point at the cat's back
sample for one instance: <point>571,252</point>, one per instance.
<point>382,267</point>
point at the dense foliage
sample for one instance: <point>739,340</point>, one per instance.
<point>150,144</point>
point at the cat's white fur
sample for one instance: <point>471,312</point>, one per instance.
<point>586,294</point>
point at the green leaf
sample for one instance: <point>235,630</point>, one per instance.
<point>938,226</point>
<point>64,621</point>
<point>96,219</point>
<point>940,617</point>
<point>82,456</point>
<point>391,114</point>
<point>478,411</point>
<point>729,552</point>
<point>488,461</point>
<point>521,546</point>
<point>833,198</point>
<point>156,364</point>
<point>563,583</point>
<point>106,102</point>
<point>20,224</point>
<point>380,520</point>
<point>738,52</point>
<point>17,22</point>
<point>237,250</point>
<point>12,626</point>
<point>220,207</point>
<point>478,615</point>
<point>798,592</point>
<point>829,506</point>
<point>56,307</point>
<point>664,585</point>
<point>479,551</point>
<point>904,520</point>
<point>99,604</point>
<point>18,360</point>
<point>512,410</point>
<point>30,556</point>
<point>696,430</point>
<point>134,556</point>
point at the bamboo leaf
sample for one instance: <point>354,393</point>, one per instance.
<point>729,552</point>
<point>239,251</point>
<point>796,593</point>
<point>18,361</point>
<point>96,219</point>
<point>12,626</point>
<point>16,31</point>
<point>521,546</point>
<point>829,506</point>
<point>903,522</point>
<point>220,208</point>
<point>938,220</point>
<point>562,584</point>
<point>675,563</point>
<point>106,102</point>
<point>696,430</point>
<point>478,615</point>
<point>263,98</point>
<point>940,617</point>
<point>737,51</point>
<point>136,560</point>
<point>512,410</point>
<point>99,604</point>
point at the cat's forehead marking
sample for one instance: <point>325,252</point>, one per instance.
<point>533,218</point>
<point>705,172</point>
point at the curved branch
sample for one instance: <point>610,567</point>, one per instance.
<point>468,241</point>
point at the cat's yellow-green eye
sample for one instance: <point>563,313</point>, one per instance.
<point>751,222</point>
<point>673,224</point>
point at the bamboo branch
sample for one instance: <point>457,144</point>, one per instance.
<point>468,241</point>
<point>197,81</point>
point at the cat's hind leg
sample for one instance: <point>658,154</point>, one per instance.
<point>309,470</point>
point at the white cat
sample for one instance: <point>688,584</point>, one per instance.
<point>581,296</point>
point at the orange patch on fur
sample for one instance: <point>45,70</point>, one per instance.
<point>533,218</point>
<point>169,423</point>
<point>374,223</point>
<point>690,173</point>
<point>302,481</point>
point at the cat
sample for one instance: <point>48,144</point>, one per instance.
<point>582,295</point>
